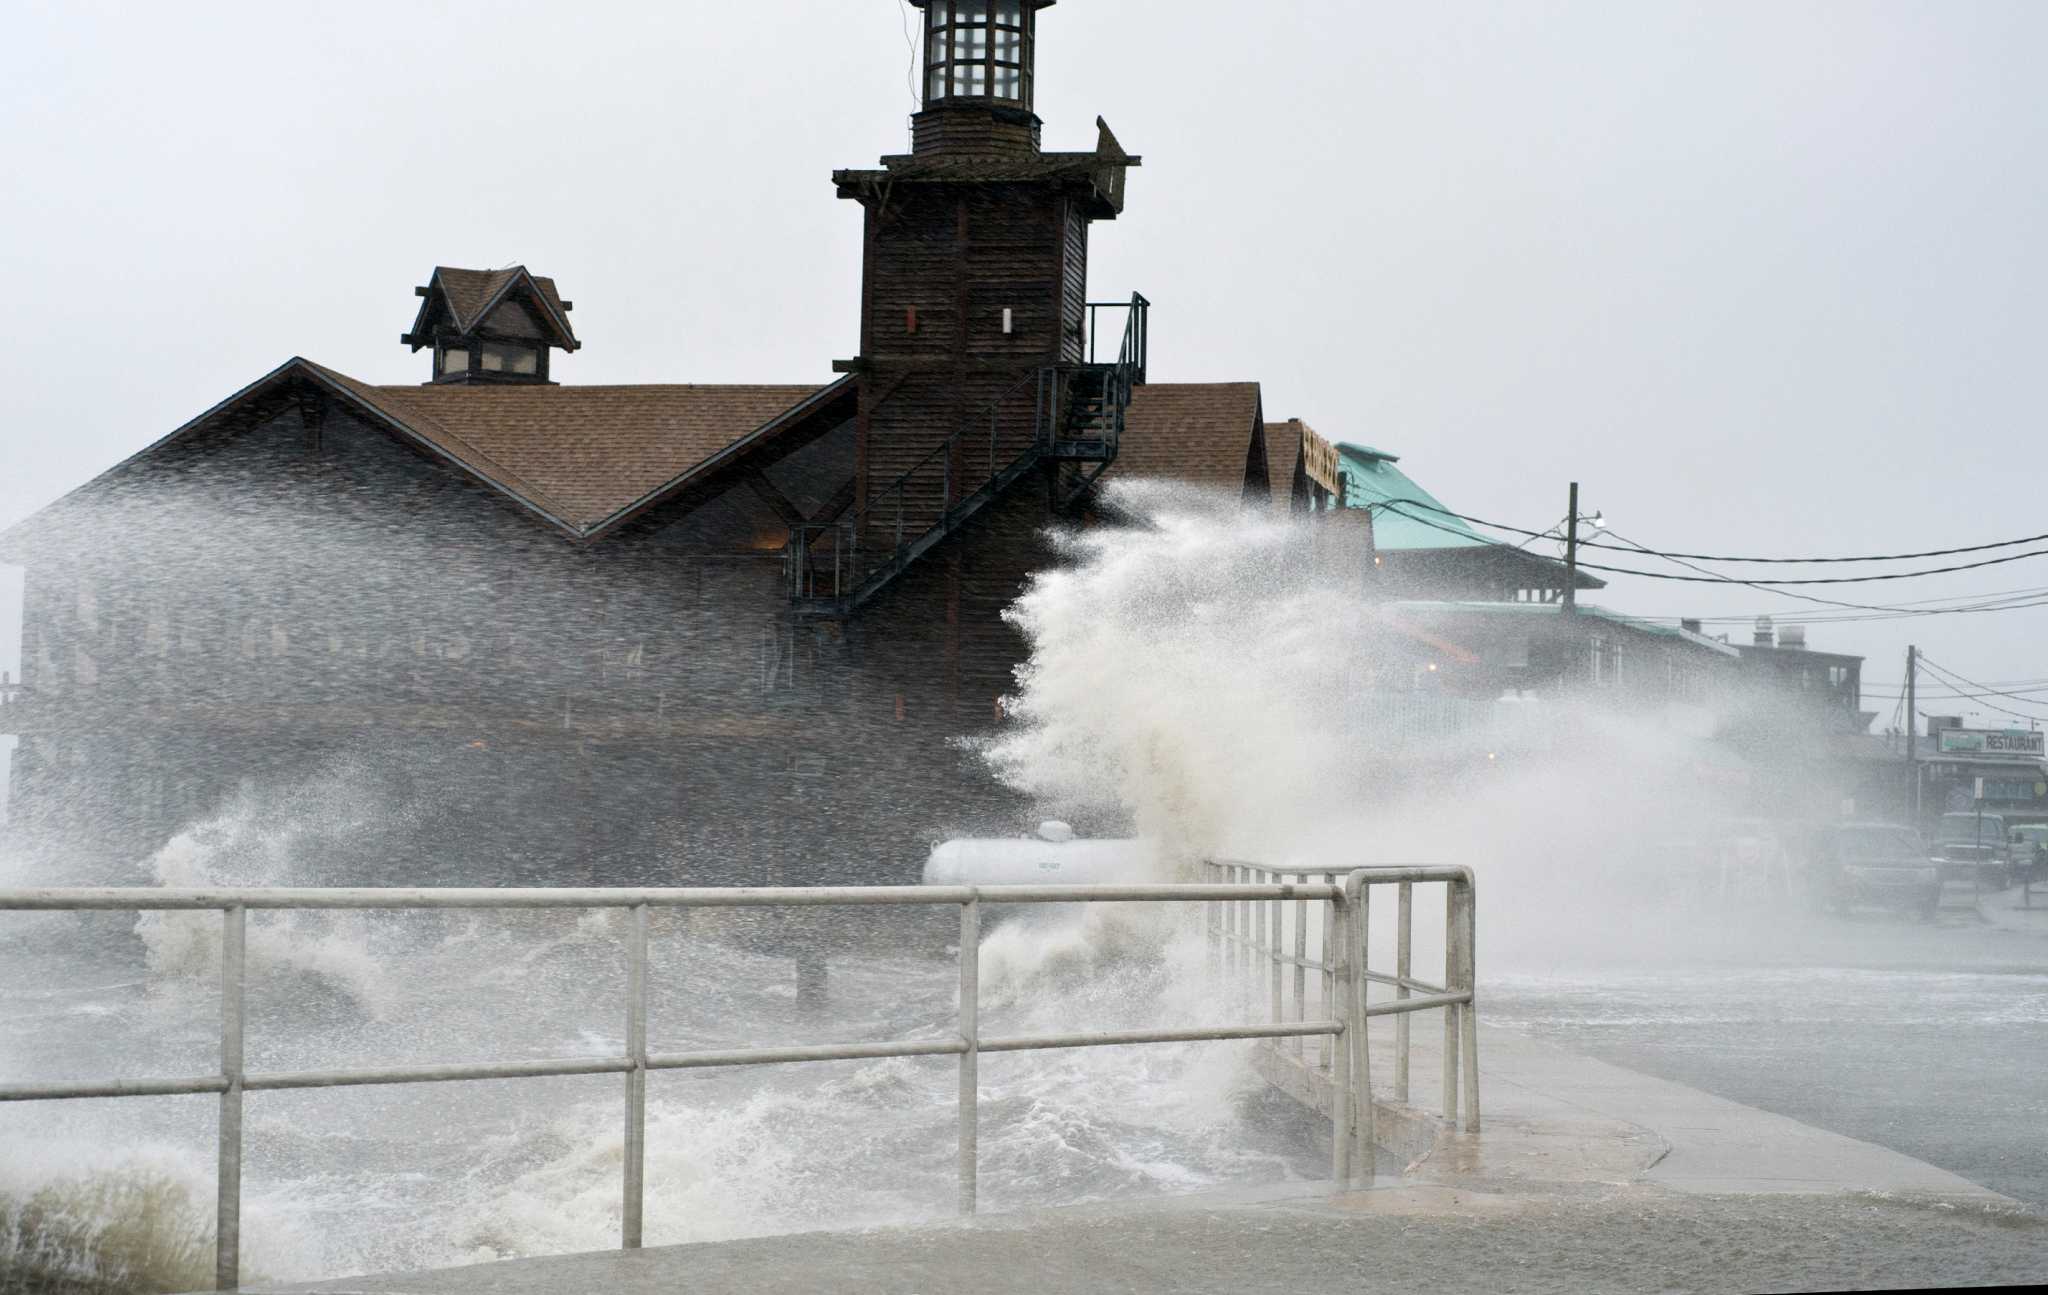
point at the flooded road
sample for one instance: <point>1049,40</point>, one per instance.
<point>1930,1040</point>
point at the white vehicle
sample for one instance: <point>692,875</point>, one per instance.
<point>1051,858</point>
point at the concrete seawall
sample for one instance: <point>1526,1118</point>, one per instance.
<point>1586,1176</point>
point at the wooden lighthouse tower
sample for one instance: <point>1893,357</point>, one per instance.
<point>978,371</point>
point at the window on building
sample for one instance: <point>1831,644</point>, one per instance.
<point>1606,654</point>
<point>978,49</point>
<point>509,359</point>
<point>455,360</point>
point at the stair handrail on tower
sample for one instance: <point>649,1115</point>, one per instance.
<point>1078,418</point>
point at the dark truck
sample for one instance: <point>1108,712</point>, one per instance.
<point>1875,864</point>
<point>1969,846</point>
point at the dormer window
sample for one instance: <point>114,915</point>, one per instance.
<point>521,360</point>
<point>979,49</point>
<point>491,326</point>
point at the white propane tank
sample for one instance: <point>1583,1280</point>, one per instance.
<point>1053,857</point>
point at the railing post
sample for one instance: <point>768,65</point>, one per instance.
<point>1451,1011</point>
<point>631,1212</point>
<point>227,1217</point>
<point>970,1034</point>
<point>1254,936</point>
<point>1301,966</point>
<point>1358,957</point>
<point>1230,945</point>
<point>1329,978</point>
<point>1276,956</point>
<point>1404,968</point>
<point>1336,955</point>
<point>1213,872</point>
<point>1468,975</point>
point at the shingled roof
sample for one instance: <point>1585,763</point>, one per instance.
<point>581,454</point>
<point>1198,432</point>
<point>472,294</point>
<point>582,458</point>
<point>1283,458</point>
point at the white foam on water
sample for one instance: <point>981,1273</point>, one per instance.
<point>1197,679</point>
<point>246,846</point>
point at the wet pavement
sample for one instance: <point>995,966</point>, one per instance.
<point>1931,1040</point>
<point>1628,1240</point>
<point>1586,1177</point>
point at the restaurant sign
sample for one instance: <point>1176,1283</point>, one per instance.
<point>2005,743</point>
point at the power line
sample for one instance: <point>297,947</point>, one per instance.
<point>1900,613</point>
<point>1852,613</point>
<point>1713,557</point>
<point>1766,585</point>
<point>1992,600</point>
<point>1811,580</point>
<point>1948,674</point>
<point>1761,588</point>
<point>1988,705</point>
<point>910,75</point>
<point>1953,695</point>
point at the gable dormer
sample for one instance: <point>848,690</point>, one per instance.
<point>489,326</point>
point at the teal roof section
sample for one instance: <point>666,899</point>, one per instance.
<point>1370,479</point>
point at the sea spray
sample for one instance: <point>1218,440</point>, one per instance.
<point>1223,679</point>
<point>1182,675</point>
<point>256,841</point>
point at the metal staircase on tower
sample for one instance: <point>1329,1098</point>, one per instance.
<point>837,568</point>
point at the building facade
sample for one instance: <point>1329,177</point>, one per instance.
<point>667,632</point>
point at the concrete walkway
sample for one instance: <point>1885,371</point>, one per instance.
<point>1556,1117</point>
<point>1587,1177</point>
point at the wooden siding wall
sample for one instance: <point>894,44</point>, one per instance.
<point>1073,283</point>
<point>504,704</point>
<point>972,133</point>
<point>944,262</point>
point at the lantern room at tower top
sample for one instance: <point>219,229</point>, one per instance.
<point>980,76</point>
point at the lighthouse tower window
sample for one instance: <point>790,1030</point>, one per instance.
<point>978,49</point>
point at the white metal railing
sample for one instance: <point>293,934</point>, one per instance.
<point>1340,893</point>
<point>1251,937</point>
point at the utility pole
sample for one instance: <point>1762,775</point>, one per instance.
<point>1571,553</point>
<point>1912,722</point>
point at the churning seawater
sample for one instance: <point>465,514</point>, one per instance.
<point>343,1181</point>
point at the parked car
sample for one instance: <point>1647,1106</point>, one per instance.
<point>1876,864</point>
<point>1969,846</point>
<point>2030,851</point>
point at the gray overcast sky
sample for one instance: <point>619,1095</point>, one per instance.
<point>1766,278</point>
